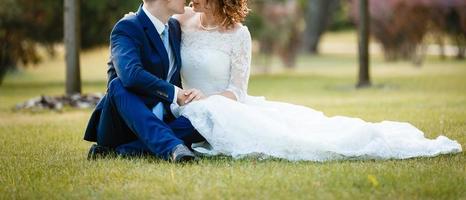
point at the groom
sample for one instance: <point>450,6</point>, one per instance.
<point>144,85</point>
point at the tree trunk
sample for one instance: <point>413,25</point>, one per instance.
<point>363,79</point>
<point>72,46</point>
<point>318,17</point>
<point>461,44</point>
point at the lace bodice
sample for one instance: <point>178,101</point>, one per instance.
<point>215,62</point>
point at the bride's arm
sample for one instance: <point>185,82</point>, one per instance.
<point>240,67</point>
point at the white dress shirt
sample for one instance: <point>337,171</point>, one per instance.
<point>160,27</point>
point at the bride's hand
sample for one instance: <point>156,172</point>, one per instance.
<point>129,14</point>
<point>193,95</point>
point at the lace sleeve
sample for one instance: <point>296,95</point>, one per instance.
<point>240,64</point>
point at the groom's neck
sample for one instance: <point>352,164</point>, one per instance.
<point>158,9</point>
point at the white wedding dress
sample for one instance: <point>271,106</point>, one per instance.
<point>215,62</point>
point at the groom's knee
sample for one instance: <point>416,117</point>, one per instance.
<point>116,88</point>
<point>117,91</point>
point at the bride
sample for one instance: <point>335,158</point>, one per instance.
<point>216,54</point>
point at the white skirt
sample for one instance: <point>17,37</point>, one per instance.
<point>292,132</point>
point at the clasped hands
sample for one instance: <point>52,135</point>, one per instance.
<point>187,96</point>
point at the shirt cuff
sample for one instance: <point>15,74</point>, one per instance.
<point>174,107</point>
<point>175,96</point>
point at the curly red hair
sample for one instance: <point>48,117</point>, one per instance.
<point>230,12</point>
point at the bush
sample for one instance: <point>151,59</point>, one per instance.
<point>99,17</point>
<point>277,26</point>
<point>24,25</point>
<point>400,26</point>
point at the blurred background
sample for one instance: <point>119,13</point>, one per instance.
<point>305,52</point>
<point>289,35</point>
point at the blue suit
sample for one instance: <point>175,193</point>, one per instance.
<point>137,74</point>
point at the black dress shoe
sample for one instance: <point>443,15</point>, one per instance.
<point>97,151</point>
<point>181,154</point>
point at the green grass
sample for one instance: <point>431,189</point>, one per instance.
<point>43,155</point>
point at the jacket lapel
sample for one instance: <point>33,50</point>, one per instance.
<point>156,41</point>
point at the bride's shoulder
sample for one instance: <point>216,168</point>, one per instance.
<point>188,14</point>
<point>241,30</point>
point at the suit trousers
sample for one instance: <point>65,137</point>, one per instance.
<point>128,125</point>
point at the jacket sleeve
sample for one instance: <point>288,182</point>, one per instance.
<point>126,57</point>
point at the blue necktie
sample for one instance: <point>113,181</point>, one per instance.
<point>165,39</point>
<point>166,43</point>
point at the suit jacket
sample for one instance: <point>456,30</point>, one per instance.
<point>139,59</point>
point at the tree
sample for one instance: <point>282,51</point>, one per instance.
<point>72,46</point>
<point>22,24</point>
<point>278,29</point>
<point>400,26</point>
<point>26,26</point>
<point>363,76</point>
<point>318,17</point>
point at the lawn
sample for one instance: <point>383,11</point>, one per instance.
<point>43,155</point>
